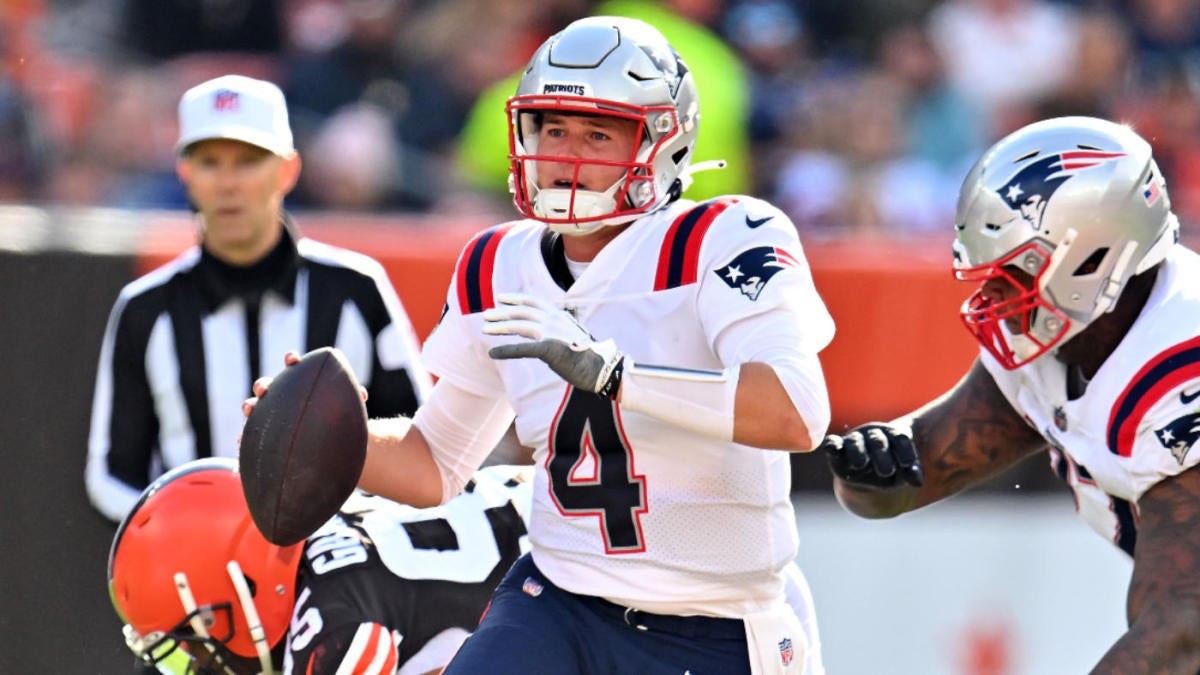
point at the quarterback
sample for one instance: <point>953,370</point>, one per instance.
<point>660,357</point>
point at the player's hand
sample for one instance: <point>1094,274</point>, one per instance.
<point>874,455</point>
<point>555,337</point>
<point>261,385</point>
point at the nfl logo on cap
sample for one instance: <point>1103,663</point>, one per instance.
<point>238,108</point>
<point>225,100</point>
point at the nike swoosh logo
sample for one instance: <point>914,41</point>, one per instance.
<point>1187,398</point>
<point>755,222</point>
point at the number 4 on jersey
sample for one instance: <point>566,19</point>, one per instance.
<point>587,428</point>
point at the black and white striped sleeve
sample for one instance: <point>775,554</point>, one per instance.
<point>124,425</point>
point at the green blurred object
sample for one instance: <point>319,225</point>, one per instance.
<point>720,83</point>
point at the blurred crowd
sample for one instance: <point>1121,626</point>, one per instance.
<point>861,116</point>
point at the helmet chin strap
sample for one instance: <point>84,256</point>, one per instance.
<point>571,203</point>
<point>1023,347</point>
<point>556,202</point>
<point>685,176</point>
<point>188,600</point>
<point>245,599</point>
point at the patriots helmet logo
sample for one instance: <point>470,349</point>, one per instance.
<point>750,271</point>
<point>1180,435</point>
<point>1030,189</point>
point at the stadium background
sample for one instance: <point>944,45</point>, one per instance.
<point>852,123</point>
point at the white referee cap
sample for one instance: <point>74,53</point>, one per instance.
<point>236,107</point>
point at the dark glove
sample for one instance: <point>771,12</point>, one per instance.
<point>874,455</point>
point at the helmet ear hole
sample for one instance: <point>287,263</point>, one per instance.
<point>251,585</point>
<point>1092,263</point>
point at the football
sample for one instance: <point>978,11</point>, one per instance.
<point>303,447</point>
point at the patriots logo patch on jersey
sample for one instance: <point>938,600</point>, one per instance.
<point>1180,435</point>
<point>750,271</point>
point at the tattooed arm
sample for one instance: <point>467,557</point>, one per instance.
<point>966,436</point>
<point>1163,607</point>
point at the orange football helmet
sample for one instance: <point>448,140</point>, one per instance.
<point>188,567</point>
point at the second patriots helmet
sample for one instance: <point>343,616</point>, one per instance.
<point>1076,203</point>
<point>606,66</point>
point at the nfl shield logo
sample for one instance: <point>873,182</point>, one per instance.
<point>531,587</point>
<point>785,651</point>
<point>1060,418</point>
<point>225,100</point>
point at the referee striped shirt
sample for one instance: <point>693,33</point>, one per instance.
<point>185,342</point>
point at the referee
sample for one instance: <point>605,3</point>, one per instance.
<point>184,343</point>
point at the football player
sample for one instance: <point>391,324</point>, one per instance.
<point>661,358</point>
<point>381,588</point>
<point>1088,317</point>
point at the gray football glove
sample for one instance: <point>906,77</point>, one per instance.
<point>555,337</point>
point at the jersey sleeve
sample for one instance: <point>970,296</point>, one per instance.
<point>455,350</point>
<point>753,265</point>
<point>367,648</point>
<point>757,302</point>
<point>399,380</point>
<point>1155,425</point>
<point>124,424</point>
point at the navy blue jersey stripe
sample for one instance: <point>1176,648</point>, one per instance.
<point>475,271</point>
<point>1126,537</point>
<point>679,245</point>
<point>471,275</point>
<point>1168,370</point>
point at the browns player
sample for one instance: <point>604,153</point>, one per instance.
<point>1088,316</point>
<point>381,588</point>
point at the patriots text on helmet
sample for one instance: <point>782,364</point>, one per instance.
<point>564,88</point>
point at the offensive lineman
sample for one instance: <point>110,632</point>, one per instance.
<point>1088,315</point>
<point>382,588</point>
<point>662,529</point>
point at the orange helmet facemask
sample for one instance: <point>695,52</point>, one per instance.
<point>188,567</point>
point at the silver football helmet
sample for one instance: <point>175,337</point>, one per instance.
<point>605,66</point>
<point>1079,205</point>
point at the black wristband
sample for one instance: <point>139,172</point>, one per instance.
<point>613,385</point>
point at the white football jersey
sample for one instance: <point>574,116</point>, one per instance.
<point>626,506</point>
<point>1139,418</point>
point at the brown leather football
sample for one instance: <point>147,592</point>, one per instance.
<point>303,447</point>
